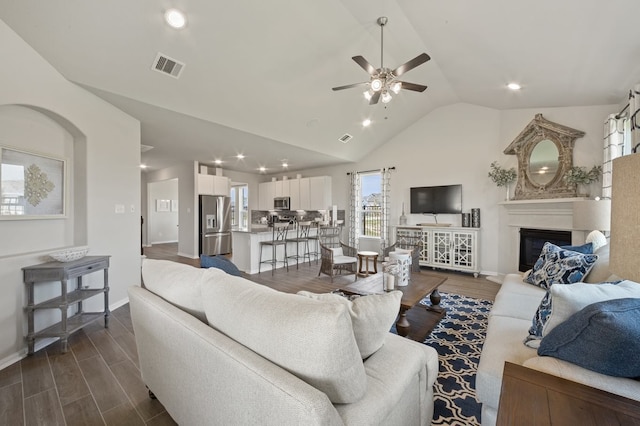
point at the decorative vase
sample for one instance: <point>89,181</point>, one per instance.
<point>475,218</point>
<point>403,218</point>
<point>507,186</point>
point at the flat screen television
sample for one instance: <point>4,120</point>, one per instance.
<point>436,199</point>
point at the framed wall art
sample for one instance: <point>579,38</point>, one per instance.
<point>32,186</point>
<point>163,205</point>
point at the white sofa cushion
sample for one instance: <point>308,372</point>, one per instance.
<point>178,284</point>
<point>311,339</point>
<point>516,298</point>
<point>372,316</point>
<point>600,270</point>
<point>571,298</point>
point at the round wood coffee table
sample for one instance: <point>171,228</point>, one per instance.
<point>363,258</point>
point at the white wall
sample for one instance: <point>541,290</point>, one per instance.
<point>102,145</point>
<point>163,226</point>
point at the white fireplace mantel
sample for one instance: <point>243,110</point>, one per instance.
<point>552,214</point>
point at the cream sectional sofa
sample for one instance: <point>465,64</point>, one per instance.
<point>268,357</point>
<point>509,321</point>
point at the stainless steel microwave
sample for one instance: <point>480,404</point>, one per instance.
<point>282,203</point>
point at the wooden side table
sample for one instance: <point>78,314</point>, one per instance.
<point>531,397</point>
<point>363,260</point>
<point>64,271</point>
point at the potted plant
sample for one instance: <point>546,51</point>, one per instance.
<point>578,175</point>
<point>502,177</point>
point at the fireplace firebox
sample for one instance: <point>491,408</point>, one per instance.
<point>532,241</point>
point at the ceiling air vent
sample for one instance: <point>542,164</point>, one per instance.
<point>167,65</point>
<point>345,138</point>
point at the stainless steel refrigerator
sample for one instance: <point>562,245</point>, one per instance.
<point>215,224</point>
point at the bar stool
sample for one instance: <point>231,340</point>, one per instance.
<point>302,236</point>
<point>314,239</point>
<point>279,238</point>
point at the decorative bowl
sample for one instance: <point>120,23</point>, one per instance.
<point>70,254</point>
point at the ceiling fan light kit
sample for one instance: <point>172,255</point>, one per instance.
<point>384,81</point>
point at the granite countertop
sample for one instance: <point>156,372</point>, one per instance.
<point>254,229</point>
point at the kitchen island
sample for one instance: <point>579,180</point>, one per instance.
<point>246,248</point>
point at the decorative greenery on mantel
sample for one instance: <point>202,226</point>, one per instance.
<point>500,176</point>
<point>580,176</point>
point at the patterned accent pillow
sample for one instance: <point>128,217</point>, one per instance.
<point>539,320</point>
<point>558,266</point>
<point>584,249</point>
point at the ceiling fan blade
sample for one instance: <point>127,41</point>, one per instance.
<point>413,86</point>
<point>364,64</point>
<point>349,86</point>
<point>374,99</point>
<point>408,66</point>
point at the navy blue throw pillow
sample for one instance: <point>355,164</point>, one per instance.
<point>584,249</point>
<point>219,262</point>
<point>603,337</point>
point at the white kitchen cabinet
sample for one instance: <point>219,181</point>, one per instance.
<point>312,193</point>
<point>305,202</point>
<point>294,193</point>
<point>444,247</point>
<point>266,194</point>
<point>213,185</point>
<point>279,188</point>
<point>319,192</point>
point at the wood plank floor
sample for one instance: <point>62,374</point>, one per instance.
<point>97,382</point>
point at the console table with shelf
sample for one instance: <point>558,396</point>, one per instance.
<point>63,272</point>
<point>446,247</point>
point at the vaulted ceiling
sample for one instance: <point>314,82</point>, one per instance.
<point>258,74</point>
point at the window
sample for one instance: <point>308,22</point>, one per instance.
<point>240,206</point>
<point>371,202</point>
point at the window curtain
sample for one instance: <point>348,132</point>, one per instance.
<point>621,137</point>
<point>634,119</point>
<point>386,208</point>
<point>354,209</point>
<point>613,148</point>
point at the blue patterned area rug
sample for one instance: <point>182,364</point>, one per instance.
<point>458,338</point>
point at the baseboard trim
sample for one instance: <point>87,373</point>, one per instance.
<point>190,256</point>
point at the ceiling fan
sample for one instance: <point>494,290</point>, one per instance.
<point>384,81</point>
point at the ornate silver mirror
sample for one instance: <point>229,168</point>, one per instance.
<point>545,153</point>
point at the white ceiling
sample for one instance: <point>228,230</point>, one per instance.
<point>258,74</point>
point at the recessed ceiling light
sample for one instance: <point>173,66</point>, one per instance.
<point>514,86</point>
<point>217,161</point>
<point>240,156</point>
<point>175,18</point>
<point>143,166</point>
<point>262,169</point>
<point>285,164</point>
<point>366,122</point>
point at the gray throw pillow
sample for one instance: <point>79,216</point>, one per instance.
<point>372,316</point>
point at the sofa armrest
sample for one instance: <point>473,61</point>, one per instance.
<point>628,388</point>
